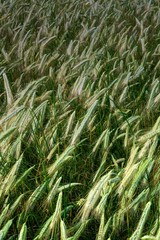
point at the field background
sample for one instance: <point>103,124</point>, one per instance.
<point>80,120</point>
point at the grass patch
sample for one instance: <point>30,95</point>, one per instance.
<point>79,120</point>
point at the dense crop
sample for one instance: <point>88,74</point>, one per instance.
<point>79,120</point>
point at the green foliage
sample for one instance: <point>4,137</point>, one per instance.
<point>79,120</point>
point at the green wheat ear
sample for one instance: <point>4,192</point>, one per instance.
<point>137,234</point>
<point>23,232</point>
